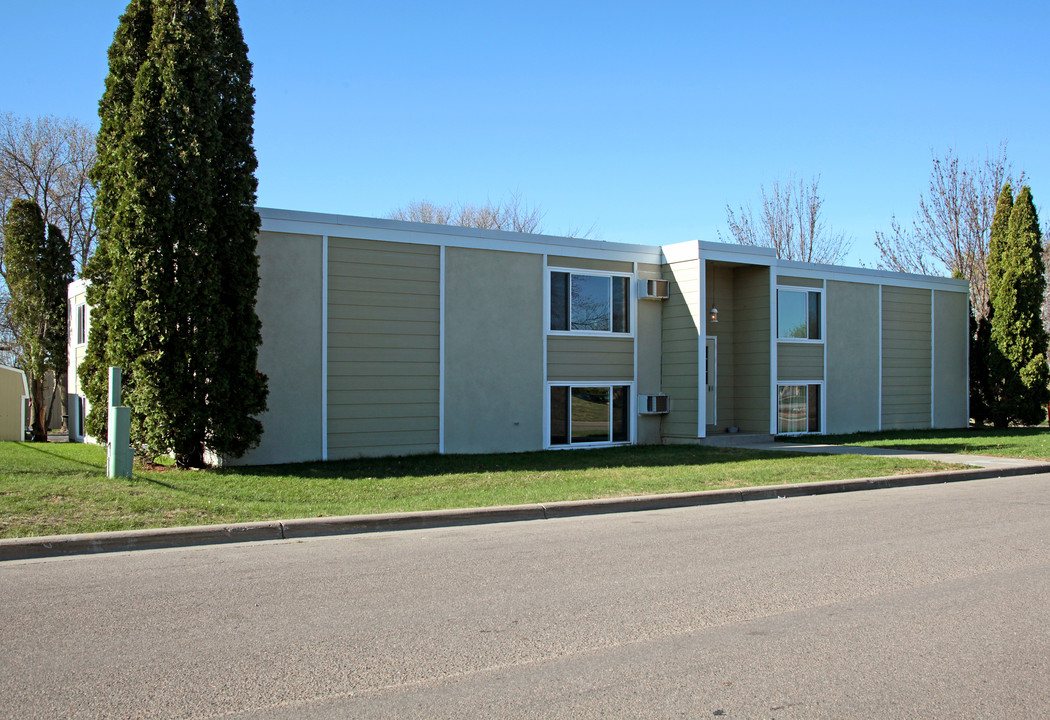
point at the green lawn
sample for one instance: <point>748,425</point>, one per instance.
<point>1013,442</point>
<point>56,488</point>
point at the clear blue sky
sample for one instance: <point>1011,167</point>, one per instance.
<point>643,120</point>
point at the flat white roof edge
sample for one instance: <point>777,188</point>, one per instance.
<point>453,235</point>
<point>313,223</point>
<point>76,287</point>
<point>803,269</point>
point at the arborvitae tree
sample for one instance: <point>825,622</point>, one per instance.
<point>999,239</point>
<point>39,267</point>
<point>1018,358</point>
<point>238,392</point>
<point>177,210</point>
<point>981,396</point>
<point>126,56</point>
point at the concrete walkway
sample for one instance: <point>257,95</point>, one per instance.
<point>982,461</point>
<point>981,467</point>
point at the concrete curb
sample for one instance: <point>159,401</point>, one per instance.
<point>125,540</point>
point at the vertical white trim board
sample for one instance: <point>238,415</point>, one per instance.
<point>442,269</point>
<point>878,404</point>
<point>324,347</point>
<point>773,310</point>
<point>545,311</point>
<point>933,357</point>
<point>633,313</point>
<point>701,348</point>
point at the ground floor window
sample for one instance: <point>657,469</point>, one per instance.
<point>798,408</point>
<point>590,414</point>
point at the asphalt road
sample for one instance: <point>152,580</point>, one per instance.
<point>920,602</point>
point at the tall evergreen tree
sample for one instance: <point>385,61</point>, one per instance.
<point>980,386</point>
<point>989,369</point>
<point>177,233</point>
<point>126,56</point>
<point>1017,362</point>
<point>39,267</point>
<point>999,238</point>
<point>238,393</point>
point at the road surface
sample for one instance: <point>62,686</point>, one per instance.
<point>929,601</point>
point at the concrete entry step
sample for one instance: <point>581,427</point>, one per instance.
<point>725,439</point>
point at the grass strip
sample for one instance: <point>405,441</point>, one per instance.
<point>57,488</point>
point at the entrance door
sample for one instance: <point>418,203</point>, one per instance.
<point>711,378</point>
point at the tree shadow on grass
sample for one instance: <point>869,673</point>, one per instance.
<point>533,462</point>
<point>40,448</point>
<point>100,467</point>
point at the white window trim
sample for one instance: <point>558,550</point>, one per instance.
<point>776,315</point>
<point>632,415</point>
<point>632,296</point>
<point>77,309</point>
<point>823,408</point>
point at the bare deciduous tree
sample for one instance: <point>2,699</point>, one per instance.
<point>951,229</point>
<point>513,214</point>
<point>8,349</point>
<point>48,159</point>
<point>790,223</point>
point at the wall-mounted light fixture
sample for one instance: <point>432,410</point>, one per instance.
<point>714,314</point>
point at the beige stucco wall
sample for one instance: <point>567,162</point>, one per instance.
<point>13,390</point>
<point>906,357</point>
<point>852,385</point>
<point>76,351</point>
<point>290,307</point>
<point>950,349</point>
<point>751,349</point>
<point>648,334</point>
<point>680,341</point>
<point>383,348</point>
<point>494,310</point>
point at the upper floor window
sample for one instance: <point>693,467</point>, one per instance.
<point>81,324</point>
<point>590,303</point>
<point>798,314</point>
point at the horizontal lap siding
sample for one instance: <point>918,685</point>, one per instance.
<point>906,358</point>
<point>557,261</point>
<point>383,348</point>
<point>799,282</point>
<point>800,361</point>
<point>589,358</point>
<point>681,354</point>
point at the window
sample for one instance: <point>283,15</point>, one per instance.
<point>588,415</point>
<point>798,314</point>
<point>590,303</point>
<point>798,409</point>
<point>81,324</point>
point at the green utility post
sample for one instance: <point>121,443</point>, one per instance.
<point>119,457</point>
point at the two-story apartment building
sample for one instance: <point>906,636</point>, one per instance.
<point>383,337</point>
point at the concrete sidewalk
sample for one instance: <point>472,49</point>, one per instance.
<point>126,540</point>
<point>982,461</point>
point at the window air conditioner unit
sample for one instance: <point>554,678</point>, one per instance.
<point>653,289</point>
<point>654,404</point>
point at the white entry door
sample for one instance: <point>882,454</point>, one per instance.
<point>711,378</point>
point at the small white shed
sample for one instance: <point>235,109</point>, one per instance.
<point>14,391</point>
